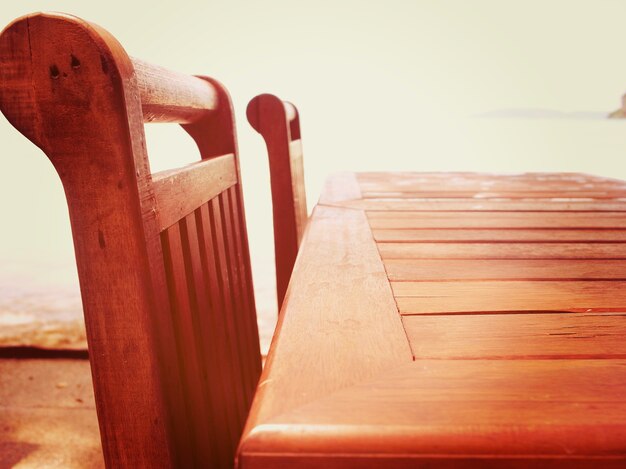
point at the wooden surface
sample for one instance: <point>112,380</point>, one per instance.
<point>511,352</point>
<point>168,96</point>
<point>179,192</point>
<point>278,122</point>
<point>162,259</point>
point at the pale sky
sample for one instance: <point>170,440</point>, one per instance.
<point>380,85</point>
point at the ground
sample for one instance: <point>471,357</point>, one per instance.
<point>47,409</point>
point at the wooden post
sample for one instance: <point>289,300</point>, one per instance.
<point>278,123</point>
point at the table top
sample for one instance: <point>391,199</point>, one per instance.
<point>451,319</point>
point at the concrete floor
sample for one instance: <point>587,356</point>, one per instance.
<point>47,409</point>
<point>47,414</point>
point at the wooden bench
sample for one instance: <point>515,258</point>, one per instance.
<point>162,258</point>
<point>278,123</point>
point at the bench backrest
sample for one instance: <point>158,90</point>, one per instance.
<point>162,258</point>
<point>278,123</point>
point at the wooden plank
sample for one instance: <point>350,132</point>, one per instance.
<point>441,413</point>
<point>504,269</point>
<point>186,328</point>
<point>341,306</point>
<point>515,296</point>
<point>429,184</point>
<point>491,220</point>
<point>247,291</point>
<point>227,292</point>
<point>417,179</point>
<point>497,235</point>
<point>502,250</point>
<point>222,444</point>
<point>224,376</point>
<point>180,191</point>
<point>236,199</point>
<point>491,205</point>
<point>492,194</point>
<point>363,460</point>
<point>490,185</point>
<point>517,336</point>
<point>238,297</point>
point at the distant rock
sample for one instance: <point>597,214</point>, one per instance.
<point>621,112</point>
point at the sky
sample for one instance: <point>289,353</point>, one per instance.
<point>388,85</point>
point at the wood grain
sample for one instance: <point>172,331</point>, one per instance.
<point>489,205</point>
<point>452,179</point>
<point>502,250</point>
<point>458,413</point>
<point>179,192</point>
<point>186,327</point>
<point>489,296</point>
<point>242,333</point>
<point>226,288</point>
<point>491,193</point>
<point>227,392</point>
<point>514,310</point>
<point>565,220</point>
<point>340,304</point>
<point>449,270</point>
<point>242,261</point>
<point>168,96</point>
<point>499,236</point>
<point>517,336</point>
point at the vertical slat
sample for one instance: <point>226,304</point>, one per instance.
<point>186,328</point>
<point>245,303</point>
<point>236,296</point>
<point>246,279</point>
<point>208,355</point>
<point>169,356</point>
<point>225,290</point>
<point>225,380</point>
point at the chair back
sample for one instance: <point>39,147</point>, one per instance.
<point>162,258</point>
<point>278,122</point>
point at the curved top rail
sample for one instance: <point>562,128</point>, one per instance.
<point>166,96</point>
<point>260,105</point>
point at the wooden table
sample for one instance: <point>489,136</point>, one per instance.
<point>453,320</point>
